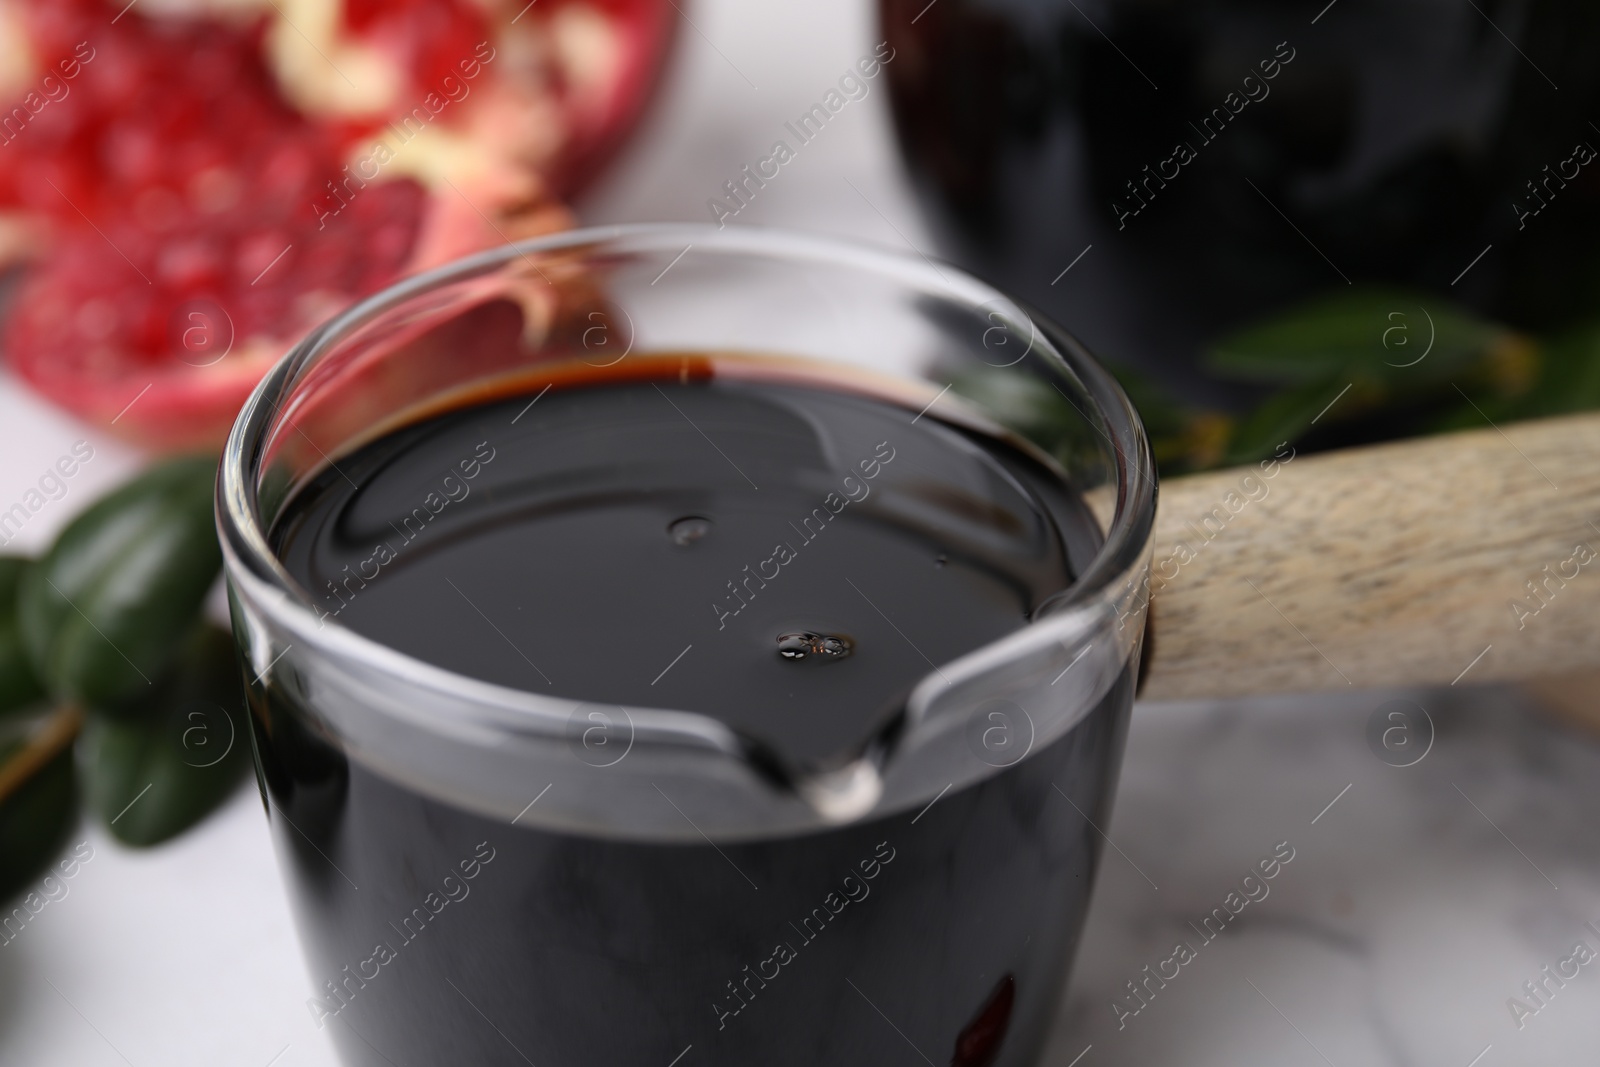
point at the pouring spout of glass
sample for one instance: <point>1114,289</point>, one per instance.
<point>643,303</point>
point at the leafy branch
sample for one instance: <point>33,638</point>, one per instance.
<point>109,673</point>
<point>1377,364</point>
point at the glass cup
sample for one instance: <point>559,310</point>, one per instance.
<point>486,874</point>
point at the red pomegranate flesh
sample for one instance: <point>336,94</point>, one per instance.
<point>196,197</point>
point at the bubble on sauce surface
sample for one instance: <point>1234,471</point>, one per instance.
<point>807,645</point>
<point>689,529</point>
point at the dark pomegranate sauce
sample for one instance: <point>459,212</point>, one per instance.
<point>787,559</point>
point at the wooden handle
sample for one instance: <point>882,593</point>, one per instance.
<point>1470,557</point>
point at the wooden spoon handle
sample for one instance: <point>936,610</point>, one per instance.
<point>1470,557</point>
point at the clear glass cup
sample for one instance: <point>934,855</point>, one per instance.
<point>487,874</point>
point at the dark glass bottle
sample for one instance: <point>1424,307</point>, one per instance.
<point>1224,158</point>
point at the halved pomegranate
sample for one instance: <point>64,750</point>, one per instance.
<point>610,54</point>
<point>199,189</point>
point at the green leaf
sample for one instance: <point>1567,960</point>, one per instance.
<point>1032,408</point>
<point>1284,417</point>
<point>34,815</point>
<point>159,763</point>
<point>104,611</point>
<point>1567,381</point>
<point>1569,376</point>
<point>1161,414</point>
<point>19,686</point>
<point>1381,333</point>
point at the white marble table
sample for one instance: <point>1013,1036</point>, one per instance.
<point>1415,905</point>
<point>1414,908</point>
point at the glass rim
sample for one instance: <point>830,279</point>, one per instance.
<point>251,561</point>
